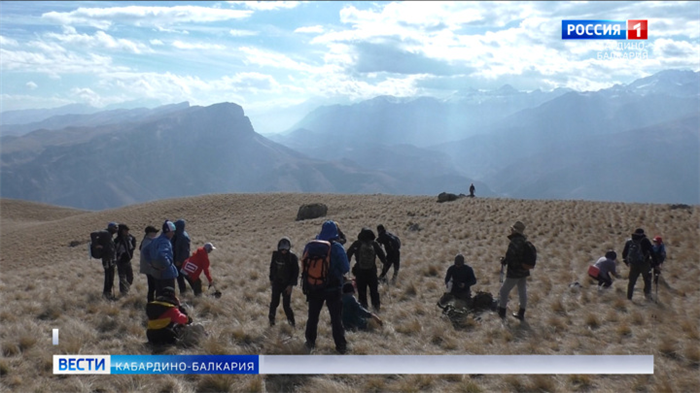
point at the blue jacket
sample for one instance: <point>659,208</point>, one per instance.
<point>354,315</point>
<point>339,259</point>
<point>181,243</point>
<point>161,255</point>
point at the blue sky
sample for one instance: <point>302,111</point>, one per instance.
<point>265,55</point>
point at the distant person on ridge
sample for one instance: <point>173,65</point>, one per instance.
<point>193,267</point>
<point>606,266</point>
<point>125,245</point>
<point>144,265</point>
<point>354,315</point>
<point>392,246</point>
<point>284,275</point>
<point>160,255</point>
<point>471,190</point>
<point>322,277</point>
<point>460,278</point>
<point>108,259</point>
<point>366,251</point>
<point>181,251</point>
<point>519,259</point>
<point>639,256</point>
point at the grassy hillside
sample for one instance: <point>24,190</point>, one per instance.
<point>46,284</point>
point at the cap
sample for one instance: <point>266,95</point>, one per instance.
<point>518,227</point>
<point>209,247</point>
<point>284,244</point>
<point>639,231</point>
<point>150,229</point>
<point>658,239</point>
<point>112,225</point>
<point>123,227</point>
<point>167,291</point>
<point>168,227</point>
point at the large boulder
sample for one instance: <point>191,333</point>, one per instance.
<point>312,210</point>
<point>446,197</point>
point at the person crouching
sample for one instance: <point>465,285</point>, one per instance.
<point>166,317</point>
<point>354,315</point>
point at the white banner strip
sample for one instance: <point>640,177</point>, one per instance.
<point>456,364</point>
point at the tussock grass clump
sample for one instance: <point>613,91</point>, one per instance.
<point>581,383</point>
<point>592,321</point>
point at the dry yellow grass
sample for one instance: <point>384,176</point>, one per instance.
<point>48,284</point>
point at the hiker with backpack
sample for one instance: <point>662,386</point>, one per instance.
<point>144,266</point>
<point>392,245</point>
<point>102,247</point>
<point>366,250</point>
<point>355,316</point>
<point>193,267</point>
<point>160,255</point>
<point>125,245</point>
<point>324,263</point>
<point>284,274</point>
<point>603,268</point>
<point>459,279</point>
<point>639,256</point>
<point>520,258</point>
<point>181,251</point>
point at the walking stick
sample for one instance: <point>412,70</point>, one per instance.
<point>657,273</point>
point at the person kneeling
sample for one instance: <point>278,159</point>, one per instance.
<point>603,268</point>
<point>354,315</point>
<point>166,318</point>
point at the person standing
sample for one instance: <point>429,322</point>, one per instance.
<point>326,286</point>
<point>193,267</point>
<point>659,249</point>
<point>518,270</point>
<point>284,275</point>
<point>125,245</point>
<point>392,246</point>
<point>108,260</point>
<point>366,251</point>
<point>460,278</point>
<point>639,256</point>
<point>471,190</point>
<point>181,251</point>
<point>144,265</point>
<point>160,253</point>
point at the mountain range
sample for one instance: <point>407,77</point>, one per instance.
<point>630,143</point>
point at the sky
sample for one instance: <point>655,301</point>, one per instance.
<point>266,55</point>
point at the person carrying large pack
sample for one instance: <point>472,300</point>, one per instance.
<point>102,247</point>
<point>324,262</point>
<point>520,258</point>
<point>639,256</point>
<point>392,246</point>
<point>366,250</point>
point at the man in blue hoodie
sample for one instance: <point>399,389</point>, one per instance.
<point>331,293</point>
<point>160,256</point>
<point>181,251</point>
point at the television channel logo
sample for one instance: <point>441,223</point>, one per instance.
<point>81,364</point>
<point>631,29</point>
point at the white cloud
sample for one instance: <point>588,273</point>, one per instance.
<point>103,18</point>
<point>6,41</point>
<point>271,59</point>
<point>55,61</point>
<point>310,29</point>
<point>99,39</point>
<point>31,85</point>
<point>197,46</point>
<point>267,5</point>
<point>156,42</point>
<point>242,33</point>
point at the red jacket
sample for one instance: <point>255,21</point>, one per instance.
<point>194,265</point>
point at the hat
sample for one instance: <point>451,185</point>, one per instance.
<point>380,228</point>
<point>348,287</point>
<point>639,231</point>
<point>167,291</point>
<point>284,244</point>
<point>123,227</point>
<point>518,227</point>
<point>150,229</point>
<point>112,225</point>
<point>658,239</point>
<point>168,226</point>
<point>611,255</point>
<point>459,259</point>
<point>209,247</point>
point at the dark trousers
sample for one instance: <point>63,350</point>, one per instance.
<point>109,278</point>
<point>635,270</point>
<point>278,290</point>
<point>126,276</point>
<point>151,294</point>
<point>168,282</point>
<point>392,259</point>
<point>364,279</point>
<point>196,285</point>
<point>335,309</point>
<point>604,280</point>
<point>181,279</point>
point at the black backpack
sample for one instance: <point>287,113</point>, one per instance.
<point>529,256</point>
<point>366,256</point>
<point>635,254</point>
<point>395,241</point>
<point>99,238</point>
